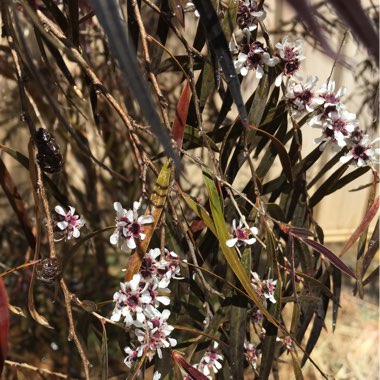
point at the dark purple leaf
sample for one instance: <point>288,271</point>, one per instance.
<point>334,260</point>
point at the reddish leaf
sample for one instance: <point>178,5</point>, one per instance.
<point>334,260</point>
<point>371,213</point>
<point>178,11</point>
<point>4,323</point>
<point>296,231</point>
<point>181,115</point>
<point>193,372</point>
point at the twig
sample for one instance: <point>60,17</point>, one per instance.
<point>41,371</point>
<point>151,75</point>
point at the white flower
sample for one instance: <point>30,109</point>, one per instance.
<point>156,334</point>
<point>129,226</point>
<point>287,341</point>
<point>156,375</point>
<point>264,288</point>
<point>160,271</point>
<point>131,300</point>
<point>291,56</point>
<point>132,356</point>
<point>248,15</point>
<point>242,234</point>
<point>253,56</point>
<point>336,128</point>
<point>209,364</point>
<point>301,98</point>
<point>331,98</point>
<point>363,153</point>
<point>68,223</point>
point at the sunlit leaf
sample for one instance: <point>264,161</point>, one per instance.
<point>229,253</point>
<point>157,203</point>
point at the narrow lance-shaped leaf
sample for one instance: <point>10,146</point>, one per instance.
<point>229,253</point>
<point>239,324</point>
<point>357,19</point>
<point>319,321</point>
<point>301,233</point>
<point>157,202</point>
<point>371,213</point>
<point>193,372</point>
<point>104,353</point>
<point>217,41</point>
<point>282,153</point>
<point>337,288</point>
<point>108,13</point>
<point>296,366</point>
<point>179,122</point>
<point>4,323</point>
<point>373,247</point>
<point>334,260</point>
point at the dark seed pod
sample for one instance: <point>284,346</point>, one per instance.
<point>49,156</point>
<point>49,270</point>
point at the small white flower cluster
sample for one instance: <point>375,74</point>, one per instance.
<point>67,223</point>
<point>137,302</point>
<point>264,288</point>
<point>253,55</point>
<point>129,226</point>
<point>340,128</point>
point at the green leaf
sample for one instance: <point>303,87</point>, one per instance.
<point>230,253</point>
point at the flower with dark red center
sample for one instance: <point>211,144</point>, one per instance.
<point>254,56</point>
<point>248,15</point>
<point>300,98</point>
<point>129,226</point>
<point>291,56</point>
<point>287,341</point>
<point>209,363</point>
<point>336,129</point>
<point>68,222</point>
<point>155,336</point>
<point>264,288</point>
<point>363,153</point>
<point>242,234</point>
<point>131,301</point>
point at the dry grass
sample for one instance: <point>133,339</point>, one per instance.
<point>352,351</point>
